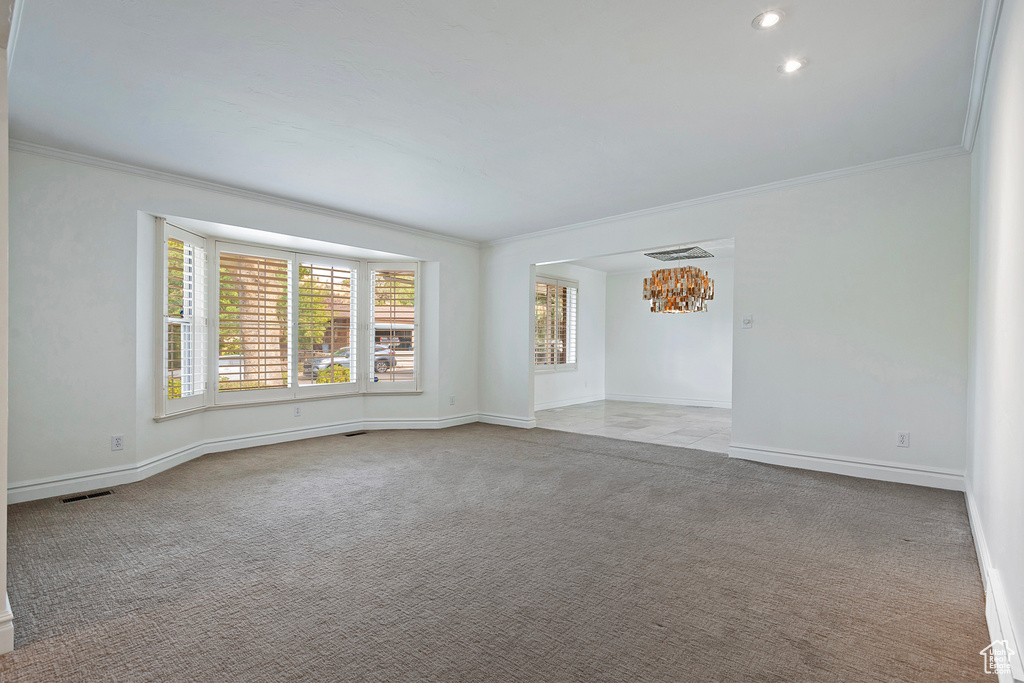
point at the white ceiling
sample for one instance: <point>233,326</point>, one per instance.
<point>485,119</point>
<point>635,260</point>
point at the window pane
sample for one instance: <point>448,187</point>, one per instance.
<point>545,311</point>
<point>185,353</point>
<point>326,342</point>
<point>560,324</point>
<point>570,324</point>
<point>175,278</point>
<point>254,322</point>
<point>394,316</point>
<point>174,360</point>
<point>555,312</point>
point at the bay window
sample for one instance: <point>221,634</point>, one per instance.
<point>286,325</point>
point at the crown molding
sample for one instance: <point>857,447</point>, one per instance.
<point>987,27</point>
<point>14,23</point>
<point>163,176</point>
<point>825,176</point>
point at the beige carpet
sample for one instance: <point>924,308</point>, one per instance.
<point>485,553</point>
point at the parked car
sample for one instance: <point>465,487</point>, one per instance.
<point>383,360</point>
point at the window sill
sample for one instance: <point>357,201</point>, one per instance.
<point>280,401</point>
<point>548,369</point>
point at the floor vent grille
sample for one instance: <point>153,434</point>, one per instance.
<point>85,496</point>
<point>355,433</point>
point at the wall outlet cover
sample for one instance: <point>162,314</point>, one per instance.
<point>117,442</point>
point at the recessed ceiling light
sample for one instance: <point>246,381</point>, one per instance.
<point>792,65</point>
<point>767,19</point>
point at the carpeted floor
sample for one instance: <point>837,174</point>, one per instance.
<point>485,553</point>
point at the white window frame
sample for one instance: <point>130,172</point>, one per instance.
<point>340,388</point>
<point>200,326</point>
<point>371,331</point>
<point>249,395</point>
<point>365,339</point>
<point>574,332</point>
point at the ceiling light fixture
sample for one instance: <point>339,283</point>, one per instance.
<point>792,65</point>
<point>679,290</point>
<point>767,19</point>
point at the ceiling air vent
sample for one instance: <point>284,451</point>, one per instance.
<point>680,254</point>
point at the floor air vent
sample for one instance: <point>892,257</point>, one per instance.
<point>355,433</point>
<point>86,496</point>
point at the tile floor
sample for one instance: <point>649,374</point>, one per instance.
<point>708,429</point>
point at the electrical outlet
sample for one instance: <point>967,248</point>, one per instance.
<point>298,411</point>
<point>451,400</point>
<point>903,439</point>
<point>117,442</point>
<point>747,321</point>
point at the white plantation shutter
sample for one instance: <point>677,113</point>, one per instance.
<point>569,332</point>
<point>254,323</point>
<point>545,320</point>
<point>393,363</point>
<point>328,355</point>
<point>555,323</point>
<point>184,320</point>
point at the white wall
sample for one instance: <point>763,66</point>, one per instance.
<point>586,382</point>
<point>858,288</point>
<point>995,473</point>
<point>682,359</point>
<point>6,618</point>
<point>82,310</point>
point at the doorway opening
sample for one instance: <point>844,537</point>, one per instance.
<point>606,364</point>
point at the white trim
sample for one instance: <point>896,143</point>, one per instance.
<point>6,627</point>
<point>987,26</point>
<point>934,477</point>
<point>20,492</point>
<point>548,368</point>
<point>507,420</point>
<point>568,402</point>
<point>695,402</point>
<point>997,612</point>
<point>419,422</point>
<point>367,314</point>
<point>920,157</point>
<point>163,176</point>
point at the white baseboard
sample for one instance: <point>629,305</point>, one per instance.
<point>20,492</point>
<point>695,402</point>
<point>547,405</point>
<point>419,423</point>
<point>997,612</point>
<point>507,420</point>
<point>933,477</point>
<point>6,627</point>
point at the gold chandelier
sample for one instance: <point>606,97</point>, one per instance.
<point>679,290</point>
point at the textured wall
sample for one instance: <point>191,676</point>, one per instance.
<point>996,469</point>
<point>672,358</point>
<point>83,351</point>
<point>858,287</point>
